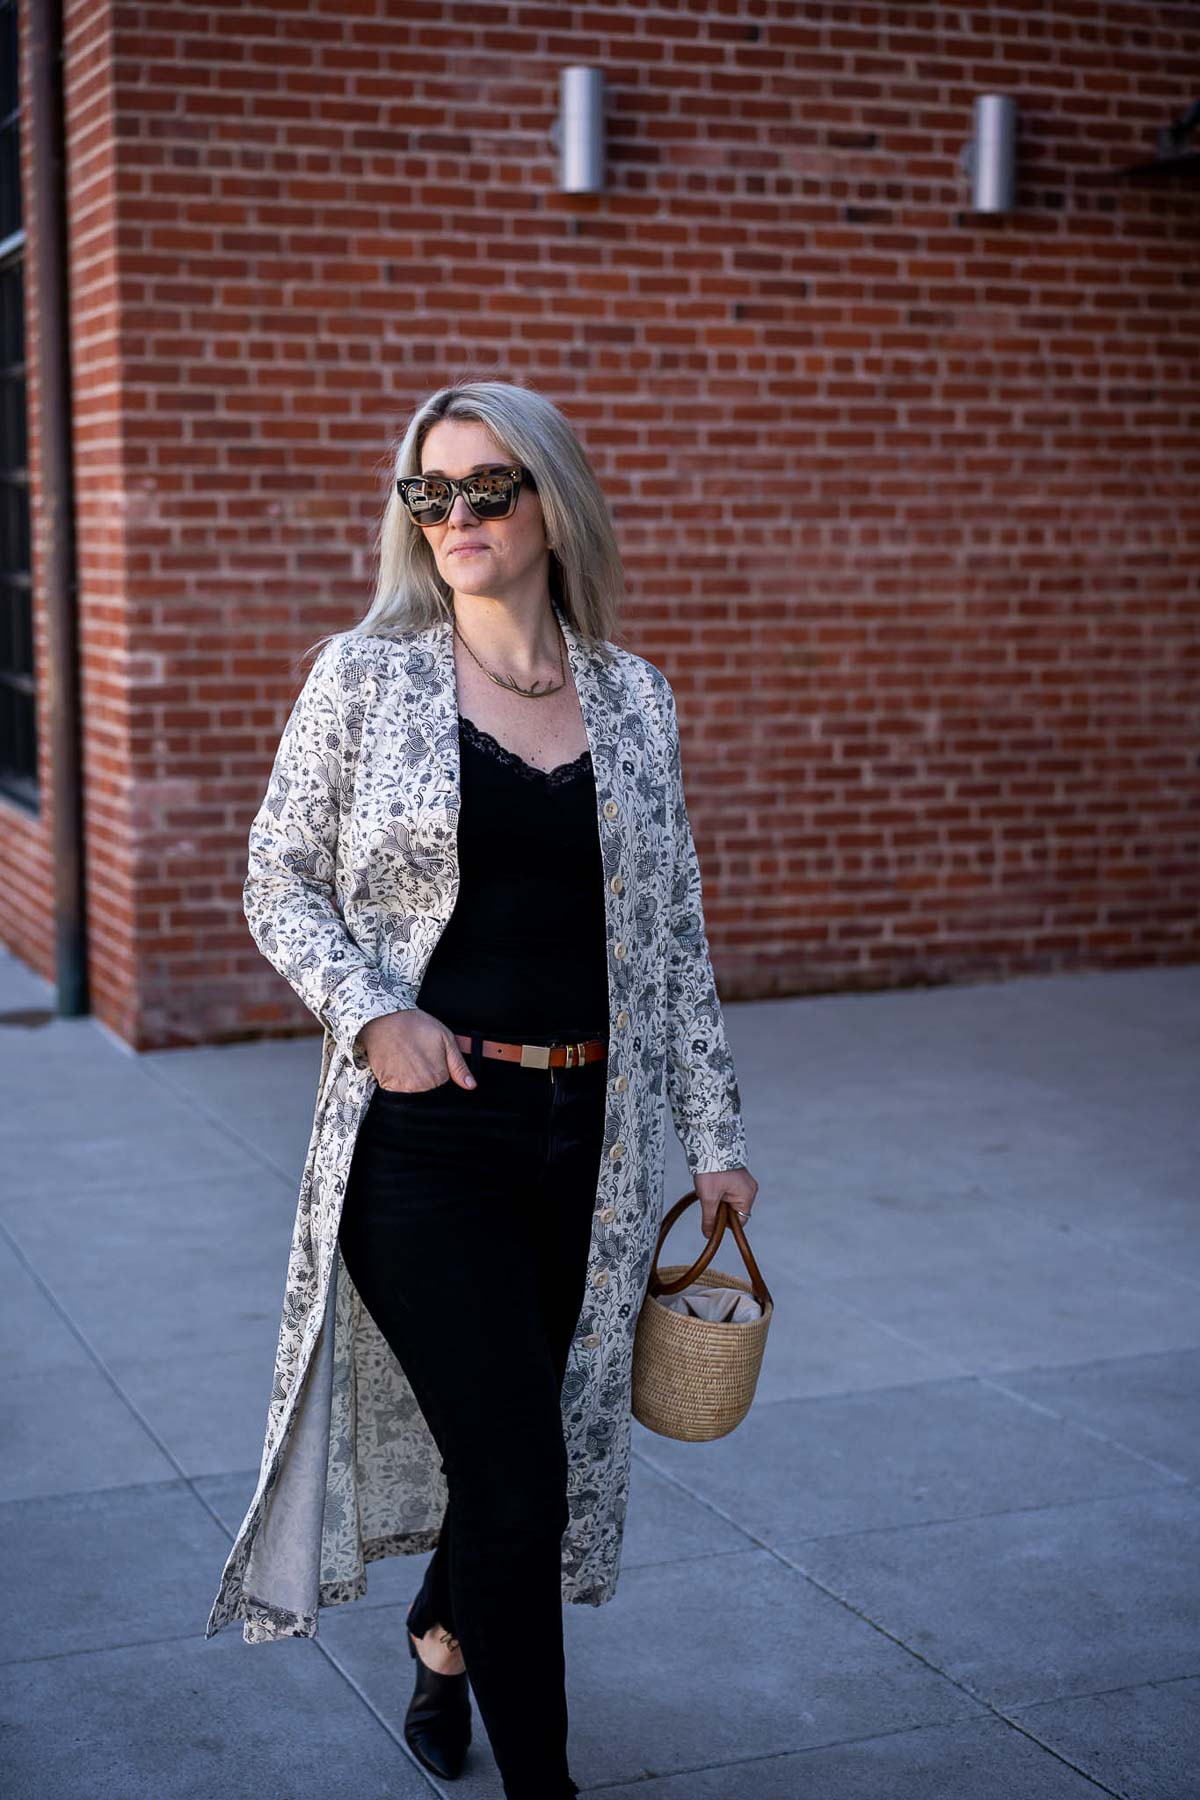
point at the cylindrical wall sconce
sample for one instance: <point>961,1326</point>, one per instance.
<point>578,132</point>
<point>990,159</point>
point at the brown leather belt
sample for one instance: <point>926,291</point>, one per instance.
<point>539,1056</point>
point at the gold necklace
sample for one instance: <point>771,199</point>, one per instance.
<point>536,692</point>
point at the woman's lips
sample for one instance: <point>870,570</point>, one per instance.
<point>468,549</point>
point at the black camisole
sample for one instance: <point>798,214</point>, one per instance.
<point>524,955</point>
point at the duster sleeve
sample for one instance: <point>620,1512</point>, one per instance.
<point>289,896</point>
<point>702,1087</point>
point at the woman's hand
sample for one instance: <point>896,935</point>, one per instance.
<point>738,1186</point>
<point>411,1051</point>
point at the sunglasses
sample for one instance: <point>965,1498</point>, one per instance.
<point>490,493</point>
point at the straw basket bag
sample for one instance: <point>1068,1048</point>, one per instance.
<point>695,1378</point>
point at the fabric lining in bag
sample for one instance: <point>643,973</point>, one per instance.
<point>724,1305</point>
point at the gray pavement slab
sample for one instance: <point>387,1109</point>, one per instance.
<point>207,1409</point>
<point>1150,1404</point>
<point>821,1343</point>
<point>152,1271</point>
<point>1050,1300</point>
<point>1053,1602</point>
<point>1143,1741</point>
<point>264,1100</point>
<point>94,1148</point>
<point>36,1337</point>
<point>106,1566</point>
<point>951,1554</point>
<point>73,1430</point>
<point>196,1719</point>
<point>988,1760</point>
<point>845,1464</point>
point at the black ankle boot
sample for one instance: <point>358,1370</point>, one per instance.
<point>437,1725</point>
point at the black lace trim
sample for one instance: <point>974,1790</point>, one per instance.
<point>556,777</point>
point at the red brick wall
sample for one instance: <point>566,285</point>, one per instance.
<point>906,496</point>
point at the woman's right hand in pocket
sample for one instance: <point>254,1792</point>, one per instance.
<point>411,1051</point>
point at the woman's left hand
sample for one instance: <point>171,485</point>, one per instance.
<point>738,1186</point>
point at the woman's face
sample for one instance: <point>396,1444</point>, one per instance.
<point>505,553</point>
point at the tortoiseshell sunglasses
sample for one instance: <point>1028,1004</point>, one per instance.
<point>490,493</point>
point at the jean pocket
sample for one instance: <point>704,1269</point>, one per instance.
<point>414,1093</point>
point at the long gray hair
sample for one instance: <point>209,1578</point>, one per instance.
<point>586,575</point>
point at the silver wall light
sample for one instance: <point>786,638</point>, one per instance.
<point>578,132</point>
<point>989,160</point>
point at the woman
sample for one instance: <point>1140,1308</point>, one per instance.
<point>474,864</point>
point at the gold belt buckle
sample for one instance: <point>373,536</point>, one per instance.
<point>535,1056</point>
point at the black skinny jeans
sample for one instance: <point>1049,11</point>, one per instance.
<point>466,1227</point>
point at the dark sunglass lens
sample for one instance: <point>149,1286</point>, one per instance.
<point>428,501</point>
<point>491,496</point>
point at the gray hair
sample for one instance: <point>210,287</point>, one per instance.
<point>586,575</point>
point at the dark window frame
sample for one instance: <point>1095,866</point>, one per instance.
<point>18,678</point>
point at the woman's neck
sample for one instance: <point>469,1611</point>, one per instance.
<point>521,638</point>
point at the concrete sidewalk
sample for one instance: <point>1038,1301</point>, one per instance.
<point>952,1554</point>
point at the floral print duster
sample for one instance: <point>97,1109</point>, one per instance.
<point>352,878</point>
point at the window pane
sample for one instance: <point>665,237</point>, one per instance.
<point>18,723</point>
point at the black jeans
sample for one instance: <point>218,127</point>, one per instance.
<point>466,1227</point>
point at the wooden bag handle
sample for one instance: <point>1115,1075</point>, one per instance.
<point>726,1215</point>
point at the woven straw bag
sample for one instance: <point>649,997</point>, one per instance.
<point>695,1378</point>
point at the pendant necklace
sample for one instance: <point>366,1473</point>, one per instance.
<point>536,692</point>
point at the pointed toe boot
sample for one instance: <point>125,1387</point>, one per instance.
<point>437,1725</point>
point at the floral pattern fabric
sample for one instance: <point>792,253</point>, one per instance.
<point>352,877</point>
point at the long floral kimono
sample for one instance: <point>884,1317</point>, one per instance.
<point>352,878</point>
